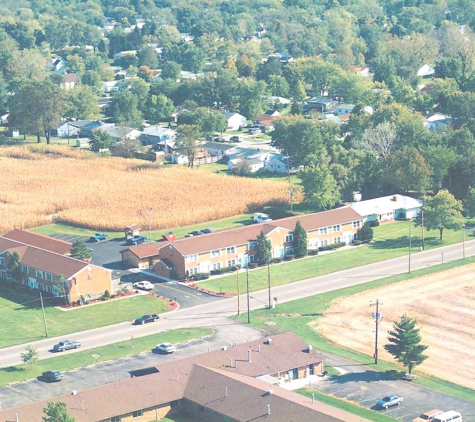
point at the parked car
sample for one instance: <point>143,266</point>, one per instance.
<point>254,131</point>
<point>136,240</point>
<point>188,235</point>
<point>272,143</point>
<point>146,318</point>
<point>260,217</point>
<point>144,285</point>
<point>66,345</point>
<point>428,416</point>
<point>208,230</point>
<point>98,237</point>
<point>52,376</point>
<point>166,348</point>
<point>219,139</point>
<point>236,138</point>
<point>388,401</point>
<point>196,232</point>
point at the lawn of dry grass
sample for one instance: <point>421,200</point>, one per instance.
<point>444,306</point>
<point>42,184</point>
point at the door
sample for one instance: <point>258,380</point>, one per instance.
<point>279,252</point>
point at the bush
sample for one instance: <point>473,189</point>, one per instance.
<point>107,295</point>
<point>278,212</point>
<point>357,242</point>
<point>313,252</point>
<point>338,245</point>
<point>373,223</point>
<point>275,260</point>
<point>200,276</point>
<point>225,270</point>
<point>365,234</point>
<point>252,265</point>
<point>289,257</point>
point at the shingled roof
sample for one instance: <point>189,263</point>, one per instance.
<point>39,241</point>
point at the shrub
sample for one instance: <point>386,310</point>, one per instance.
<point>373,223</point>
<point>338,245</point>
<point>107,295</point>
<point>357,242</point>
<point>252,265</point>
<point>289,257</point>
<point>325,248</point>
<point>313,252</point>
<point>201,276</point>
<point>225,270</point>
<point>275,260</point>
<point>365,234</point>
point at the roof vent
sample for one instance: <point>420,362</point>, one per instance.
<point>224,348</point>
<point>309,348</point>
<point>74,393</point>
<point>268,409</point>
<point>268,340</point>
<point>270,392</point>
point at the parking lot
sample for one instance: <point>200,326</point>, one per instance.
<point>363,386</point>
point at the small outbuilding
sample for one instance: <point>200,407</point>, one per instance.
<point>131,231</point>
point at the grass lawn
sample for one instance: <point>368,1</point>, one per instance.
<point>67,362</point>
<point>220,168</point>
<point>344,405</point>
<point>309,309</point>
<point>390,241</point>
<point>22,322</point>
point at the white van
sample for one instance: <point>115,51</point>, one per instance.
<point>450,416</point>
<point>260,217</point>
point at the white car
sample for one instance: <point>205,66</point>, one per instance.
<point>166,348</point>
<point>144,285</point>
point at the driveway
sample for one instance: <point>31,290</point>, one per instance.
<point>362,385</point>
<point>102,373</point>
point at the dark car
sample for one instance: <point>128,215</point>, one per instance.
<point>136,240</point>
<point>145,319</point>
<point>196,232</point>
<point>66,345</point>
<point>52,376</point>
<point>219,139</point>
<point>208,230</point>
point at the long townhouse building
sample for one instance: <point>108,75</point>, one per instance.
<point>40,266</point>
<point>207,252</point>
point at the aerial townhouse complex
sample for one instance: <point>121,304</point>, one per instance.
<point>226,248</point>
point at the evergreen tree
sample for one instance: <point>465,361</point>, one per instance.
<point>365,234</point>
<point>81,251</point>
<point>14,267</point>
<point>99,140</point>
<point>57,412</point>
<point>404,343</point>
<point>300,240</point>
<point>61,286</point>
<point>263,249</point>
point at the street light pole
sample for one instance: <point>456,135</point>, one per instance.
<point>422,220</point>
<point>410,245</point>
<point>377,317</point>
<point>149,225</point>
<point>268,281</point>
<point>463,241</point>
<point>238,292</point>
<point>247,284</point>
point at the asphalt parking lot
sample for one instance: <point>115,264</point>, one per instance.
<point>362,385</point>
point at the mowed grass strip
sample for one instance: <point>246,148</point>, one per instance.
<point>23,322</point>
<point>66,362</point>
<point>306,310</point>
<point>390,241</point>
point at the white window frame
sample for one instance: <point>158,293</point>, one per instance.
<point>216,253</point>
<point>230,250</point>
<point>192,257</point>
<point>192,271</point>
<point>2,261</point>
<point>337,239</point>
<point>251,245</point>
<point>356,224</point>
<point>289,238</point>
<point>336,228</point>
<point>216,266</point>
<point>49,277</point>
<point>324,242</point>
<point>39,274</point>
<point>323,230</point>
<point>25,269</point>
<point>231,262</point>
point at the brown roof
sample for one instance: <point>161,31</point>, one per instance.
<point>71,77</point>
<point>43,260</point>
<point>134,227</point>
<point>39,241</point>
<point>144,251</point>
<point>247,399</point>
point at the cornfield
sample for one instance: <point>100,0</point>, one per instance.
<point>45,184</point>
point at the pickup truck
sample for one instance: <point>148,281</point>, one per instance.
<point>98,237</point>
<point>136,240</point>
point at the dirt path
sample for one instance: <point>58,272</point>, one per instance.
<point>444,306</point>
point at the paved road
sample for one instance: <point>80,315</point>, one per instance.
<point>20,393</point>
<point>207,315</point>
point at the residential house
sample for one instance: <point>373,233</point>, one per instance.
<point>280,100</point>
<point>267,118</point>
<point>40,241</point>
<point>322,104</point>
<point>216,149</point>
<point>4,117</point>
<point>186,38</point>
<point>278,163</point>
<point>332,118</point>
<point>201,254</point>
<point>78,128</point>
<point>57,64</point>
<point>118,133</point>
<point>207,388</point>
<point>40,266</point>
<point>362,71</point>
<point>437,121</point>
<point>161,137</point>
<point>121,54</point>
<point>70,80</point>
<point>425,71</point>
<point>256,159</point>
<point>343,109</point>
<point>388,208</point>
<point>141,256</point>
<point>109,86</point>
<point>235,120</point>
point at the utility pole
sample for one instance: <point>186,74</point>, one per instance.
<point>463,241</point>
<point>247,283</point>
<point>422,221</point>
<point>410,245</point>
<point>291,192</point>
<point>149,225</point>
<point>44,316</point>
<point>268,282</point>
<point>377,318</point>
<point>238,292</point>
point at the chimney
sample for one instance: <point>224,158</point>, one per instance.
<point>395,198</point>
<point>309,348</point>
<point>249,356</point>
<point>268,409</point>
<point>269,340</point>
<point>231,363</point>
<point>259,348</point>
<point>226,392</point>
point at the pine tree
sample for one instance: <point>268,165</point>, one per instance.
<point>81,251</point>
<point>404,343</point>
<point>263,249</point>
<point>300,240</point>
<point>365,234</point>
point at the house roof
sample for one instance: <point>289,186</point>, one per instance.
<point>245,234</point>
<point>345,106</point>
<point>71,77</point>
<point>247,399</point>
<point>134,227</point>
<point>386,204</point>
<point>438,117</point>
<point>78,123</point>
<point>158,131</point>
<point>143,251</point>
<point>38,240</point>
<point>229,114</point>
<point>216,145</point>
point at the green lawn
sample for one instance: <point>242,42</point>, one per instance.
<point>22,322</point>
<point>67,362</point>
<point>390,241</point>
<point>307,310</point>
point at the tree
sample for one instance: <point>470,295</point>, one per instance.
<point>145,73</point>
<point>300,240</point>
<point>126,148</point>
<point>404,343</point>
<point>242,168</point>
<point>14,267</point>
<point>60,285</point>
<point>251,109</point>
<point>148,57</point>
<point>441,212</point>
<point>378,141</point>
<point>29,356</point>
<point>125,108</point>
<point>171,70</point>
<point>99,140</point>
<point>158,107</point>
<point>187,142</point>
<point>365,233</point>
<point>56,412</point>
<point>469,203</point>
<point>81,251</point>
<point>263,249</point>
<point>82,103</point>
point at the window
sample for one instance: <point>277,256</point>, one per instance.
<point>2,261</point>
<point>24,269</point>
<point>48,277</point>
<point>215,253</point>
<point>252,258</point>
<point>289,250</point>
<point>216,266</point>
<point>193,258</point>
<point>116,419</point>
<point>39,273</point>
<point>137,413</point>
<point>336,239</point>
<point>192,271</point>
<point>251,246</point>
<point>231,262</point>
<point>324,243</point>
<point>231,250</point>
<point>336,228</point>
<point>289,238</point>
<point>323,230</point>
<point>3,274</point>
<point>161,268</point>
<point>356,224</point>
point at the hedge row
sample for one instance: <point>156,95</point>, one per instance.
<point>332,247</point>
<point>200,276</point>
<point>225,270</point>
